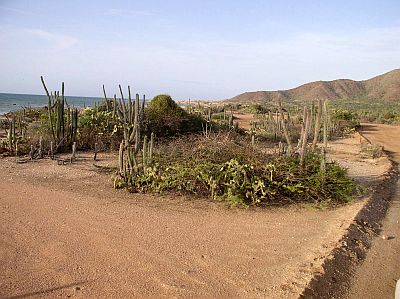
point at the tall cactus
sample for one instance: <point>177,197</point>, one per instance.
<point>305,138</point>
<point>317,127</point>
<point>325,124</point>
<point>11,135</point>
<point>49,108</point>
<point>285,130</point>
<point>130,113</point>
<point>302,128</point>
<point>322,168</point>
<point>151,148</point>
<point>145,153</point>
<point>74,125</point>
<point>63,127</point>
<point>230,121</point>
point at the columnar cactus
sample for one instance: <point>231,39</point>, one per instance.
<point>285,130</point>
<point>317,127</point>
<point>130,113</point>
<point>63,127</point>
<point>323,165</point>
<point>11,135</point>
<point>325,125</point>
<point>305,138</point>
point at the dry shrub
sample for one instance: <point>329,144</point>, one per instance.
<point>227,167</point>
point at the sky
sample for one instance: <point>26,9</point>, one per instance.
<point>193,49</point>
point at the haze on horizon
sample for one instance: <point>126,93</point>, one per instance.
<point>193,49</point>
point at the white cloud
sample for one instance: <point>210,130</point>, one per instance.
<point>306,57</point>
<point>59,41</point>
<point>225,69</point>
<point>35,39</point>
<point>16,10</point>
<point>196,67</point>
<point>117,12</point>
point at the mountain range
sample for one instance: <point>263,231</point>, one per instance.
<point>385,87</point>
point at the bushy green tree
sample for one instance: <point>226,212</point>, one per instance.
<point>165,118</point>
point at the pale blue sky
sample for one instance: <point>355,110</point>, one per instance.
<point>193,49</point>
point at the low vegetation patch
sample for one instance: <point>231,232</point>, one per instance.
<point>198,150</point>
<point>372,151</point>
<point>228,168</point>
<point>367,110</point>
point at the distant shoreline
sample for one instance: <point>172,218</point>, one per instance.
<point>10,102</point>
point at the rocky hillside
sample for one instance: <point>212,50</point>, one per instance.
<point>383,87</point>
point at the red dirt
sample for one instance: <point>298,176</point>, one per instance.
<point>66,232</point>
<point>377,276</point>
<point>244,120</point>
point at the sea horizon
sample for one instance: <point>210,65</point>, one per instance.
<point>10,102</point>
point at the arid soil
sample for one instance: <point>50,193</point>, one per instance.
<point>243,120</point>
<point>377,276</point>
<point>66,233</point>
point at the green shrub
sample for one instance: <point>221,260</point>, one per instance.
<point>343,121</point>
<point>255,109</point>
<point>345,115</point>
<point>371,150</point>
<point>165,118</point>
<point>368,110</point>
<point>229,169</point>
<point>4,124</point>
<point>98,126</point>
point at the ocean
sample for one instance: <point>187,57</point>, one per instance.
<point>12,101</point>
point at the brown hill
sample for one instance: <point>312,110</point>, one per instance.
<point>383,87</point>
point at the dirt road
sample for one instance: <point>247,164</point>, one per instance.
<point>377,276</point>
<point>66,233</point>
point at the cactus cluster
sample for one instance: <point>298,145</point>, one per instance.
<point>285,129</point>
<point>222,117</point>
<point>282,126</point>
<point>12,141</point>
<point>218,115</point>
<point>15,132</point>
<point>271,123</point>
<point>130,114</point>
<point>63,120</point>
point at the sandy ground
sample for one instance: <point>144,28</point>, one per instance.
<point>377,276</point>
<point>66,233</point>
<point>244,120</point>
